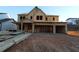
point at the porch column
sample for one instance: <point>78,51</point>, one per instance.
<point>32,28</point>
<point>66,28</point>
<point>21,26</point>
<point>54,29</point>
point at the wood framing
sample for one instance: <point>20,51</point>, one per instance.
<point>38,21</point>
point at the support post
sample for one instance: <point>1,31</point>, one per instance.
<point>66,28</point>
<point>54,29</point>
<point>21,26</point>
<point>32,28</point>
<point>18,27</point>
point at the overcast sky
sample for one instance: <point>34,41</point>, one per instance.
<point>63,11</point>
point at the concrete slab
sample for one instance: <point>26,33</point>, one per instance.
<point>10,42</point>
<point>5,45</point>
<point>20,38</point>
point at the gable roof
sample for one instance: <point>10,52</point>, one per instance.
<point>36,8</point>
<point>6,19</point>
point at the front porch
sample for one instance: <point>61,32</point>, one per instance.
<point>27,27</point>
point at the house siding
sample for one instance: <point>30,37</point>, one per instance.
<point>8,25</point>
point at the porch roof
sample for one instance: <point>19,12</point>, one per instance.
<point>42,22</point>
<point>20,22</point>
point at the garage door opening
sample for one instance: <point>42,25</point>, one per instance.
<point>44,28</point>
<point>60,29</point>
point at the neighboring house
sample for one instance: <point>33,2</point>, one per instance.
<point>73,23</point>
<point>37,21</point>
<point>6,23</point>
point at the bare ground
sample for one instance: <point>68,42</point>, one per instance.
<point>73,33</point>
<point>47,42</point>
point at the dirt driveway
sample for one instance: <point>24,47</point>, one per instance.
<point>47,42</point>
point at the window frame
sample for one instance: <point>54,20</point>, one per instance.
<point>46,19</point>
<point>20,17</point>
<point>37,18</point>
<point>41,17</point>
<point>31,17</point>
<point>53,18</point>
<point>23,17</point>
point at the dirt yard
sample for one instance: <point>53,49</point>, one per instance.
<point>47,42</point>
<point>73,33</point>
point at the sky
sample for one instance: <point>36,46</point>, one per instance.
<point>64,12</point>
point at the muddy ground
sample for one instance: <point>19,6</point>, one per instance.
<point>47,42</point>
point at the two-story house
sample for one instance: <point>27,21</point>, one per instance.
<point>37,21</point>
